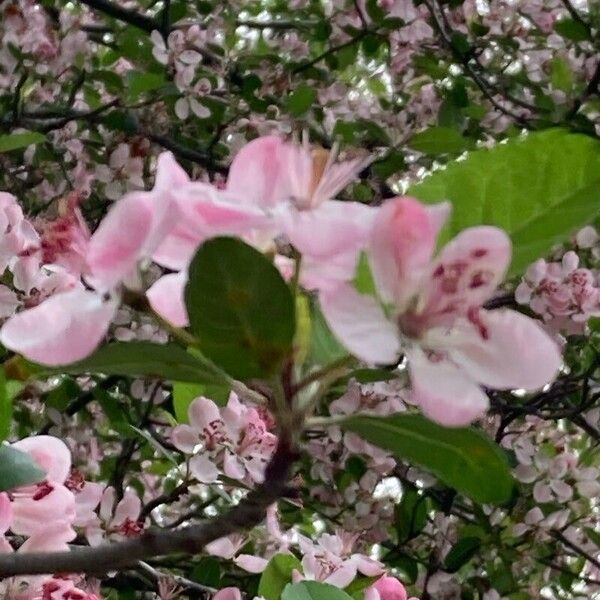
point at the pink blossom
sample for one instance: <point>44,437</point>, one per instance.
<point>36,506</point>
<point>233,440</point>
<point>452,344</point>
<point>386,588</point>
<point>230,593</point>
<point>331,560</point>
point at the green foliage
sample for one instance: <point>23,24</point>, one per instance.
<point>540,189</point>
<point>17,469</point>
<point>461,553</point>
<point>325,347</point>
<point>572,30</point>
<point>439,140</point>
<point>301,100</point>
<point>240,308</point>
<point>18,141</point>
<point>411,514</point>
<point>312,590</point>
<point>165,361</point>
<point>277,574</point>
<point>462,458</point>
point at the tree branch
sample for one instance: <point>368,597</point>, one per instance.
<point>131,17</point>
<point>159,542</point>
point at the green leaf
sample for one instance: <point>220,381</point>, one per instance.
<point>439,140</point>
<point>277,574</point>
<point>16,141</point>
<point>301,100</point>
<point>363,277</point>
<point>462,458</point>
<point>240,308</point>
<point>461,553</point>
<point>358,587</point>
<point>325,347</point>
<point>561,75</point>
<point>17,468</point>
<point>312,590</point>
<point>572,30</point>
<point>140,359</point>
<point>539,189</point>
<point>411,515</point>
<point>6,407</point>
<point>185,393</point>
<point>140,83</point>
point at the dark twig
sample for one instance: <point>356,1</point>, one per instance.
<point>131,17</point>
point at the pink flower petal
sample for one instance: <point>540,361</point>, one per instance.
<point>466,273</point>
<point>129,507</point>
<point>230,593</point>
<point>390,588</point>
<point>169,174</point>
<point>203,414</point>
<point>61,330</point>
<point>33,514</point>
<point>166,298</point>
<point>118,244</point>
<point>334,227</point>
<point>203,469</point>
<point>50,453</point>
<point>258,172</point>
<point>444,392</point>
<point>515,353</point>
<point>361,325</point>
<point>250,563</point>
<point>402,244</point>
<point>52,538</point>
<point>185,438</point>
<point>5,513</point>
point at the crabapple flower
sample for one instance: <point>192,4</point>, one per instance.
<point>36,506</point>
<point>562,293</point>
<point>69,326</point>
<point>331,560</point>
<point>234,440</point>
<point>230,593</point>
<point>122,522</point>
<point>432,312</point>
<point>386,588</point>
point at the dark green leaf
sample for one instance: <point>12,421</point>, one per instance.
<point>142,359</point>
<point>461,553</point>
<point>277,574</point>
<point>5,407</point>
<point>240,308</point>
<point>463,458</point>
<point>17,469</point>
<point>325,347</point>
<point>140,83</point>
<point>411,514</point>
<point>16,141</point>
<point>312,590</point>
<point>539,189</point>
<point>301,100</point>
<point>207,572</point>
<point>572,30</point>
<point>439,140</point>
<point>561,75</point>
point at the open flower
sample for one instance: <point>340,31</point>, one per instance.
<point>431,310</point>
<point>234,439</point>
<point>70,325</point>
